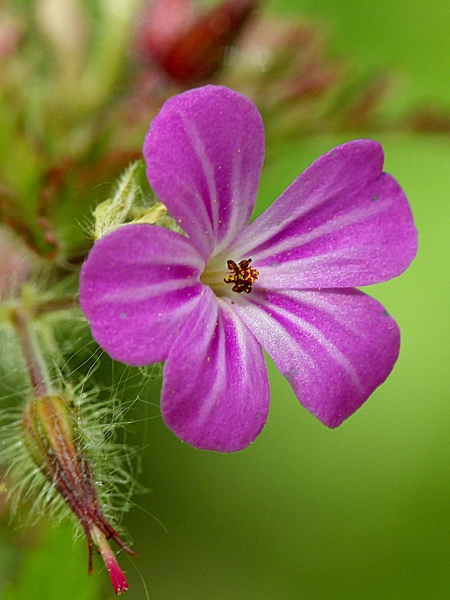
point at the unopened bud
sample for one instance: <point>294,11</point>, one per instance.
<point>197,52</point>
<point>111,213</point>
<point>126,206</point>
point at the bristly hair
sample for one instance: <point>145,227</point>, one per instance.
<point>101,416</point>
<point>111,463</point>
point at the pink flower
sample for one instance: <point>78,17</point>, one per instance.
<point>196,301</point>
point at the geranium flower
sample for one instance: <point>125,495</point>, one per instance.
<point>210,301</point>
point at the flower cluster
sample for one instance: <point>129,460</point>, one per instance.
<point>152,294</point>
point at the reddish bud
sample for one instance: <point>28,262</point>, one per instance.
<point>164,22</point>
<point>196,53</point>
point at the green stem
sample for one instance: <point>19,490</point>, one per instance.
<point>32,356</point>
<point>49,306</point>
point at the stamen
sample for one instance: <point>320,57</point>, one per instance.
<point>243,276</point>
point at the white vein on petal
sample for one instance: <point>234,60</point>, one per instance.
<point>322,301</point>
<point>208,169</point>
<point>276,331</point>
<point>237,221</point>
<point>210,400</point>
<point>323,341</point>
<point>190,188</point>
<point>330,226</point>
<point>305,270</point>
<point>141,293</point>
<point>300,324</point>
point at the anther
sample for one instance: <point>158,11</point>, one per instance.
<point>243,276</point>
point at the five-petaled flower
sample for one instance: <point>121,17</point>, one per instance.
<point>152,294</point>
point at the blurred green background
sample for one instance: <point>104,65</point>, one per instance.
<point>306,513</point>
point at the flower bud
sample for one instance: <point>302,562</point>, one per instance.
<point>126,206</point>
<point>197,52</point>
<point>111,213</point>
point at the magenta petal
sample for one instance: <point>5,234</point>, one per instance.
<point>204,155</point>
<point>342,223</point>
<point>335,347</point>
<point>215,394</point>
<point>137,288</point>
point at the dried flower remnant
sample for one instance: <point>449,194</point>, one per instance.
<point>51,436</point>
<point>48,446</point>
<point>153,295</point>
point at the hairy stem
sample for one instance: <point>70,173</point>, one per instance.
<point>49,306</point>
<point>31,353</point>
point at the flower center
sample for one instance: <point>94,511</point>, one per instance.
<point>243,276</point>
